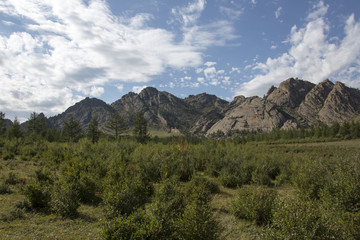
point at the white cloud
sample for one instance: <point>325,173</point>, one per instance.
<point>226,80</point>
<point>213,34</point>
<point>235,69</point>
<point>278,12</point>
<point>201,80</point>
<point>189,15</point>
<point>120,87</point>
<point>231,13</point>
<point>138,89</point>
<point>253,2</point>
<point>69,48</point>
<point>209,64</point>
<point>312,55</point>
<point>319,10</point>
<point>210,72</point>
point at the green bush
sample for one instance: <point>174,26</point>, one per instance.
<point>13,179</point>
<point>126,196</point>
<point>229,180</point>
<point>298,219</point>
<point>5,188</point>
<point>342,190</point>
<point>310,177</point>
<point>197,222</point>
<point>38,195</point>
<point>65,200</point>
<point>254,203</point>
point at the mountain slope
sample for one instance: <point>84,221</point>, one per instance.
<point>292,104</point>
<point>84,111</point>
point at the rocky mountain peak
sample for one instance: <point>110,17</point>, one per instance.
<point>84,111</point>
<point>205,102</point>
<point>148,93</point>
<point>292,104</point>
<point>290,93</point>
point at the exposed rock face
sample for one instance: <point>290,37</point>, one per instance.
<point>294,103</point>
<point>206,103</point>
<point>341,104</point>
<point>211,108</point>
<point>290,93</point>
<point>314,101</point>
<point>162,110</point>
<point>84,111</point>
<point>250,113</point>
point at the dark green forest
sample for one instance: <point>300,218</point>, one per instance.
<point>126,184</point>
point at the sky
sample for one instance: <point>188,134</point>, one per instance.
<point>55,53</point>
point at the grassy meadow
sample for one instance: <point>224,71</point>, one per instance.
<point>180,188</point>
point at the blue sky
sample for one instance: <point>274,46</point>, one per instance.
<point>55,53</point>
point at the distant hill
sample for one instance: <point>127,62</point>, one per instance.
<point>292,104</point>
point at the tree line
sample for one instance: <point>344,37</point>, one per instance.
<point>36,128</point>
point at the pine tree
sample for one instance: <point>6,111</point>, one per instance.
<point>72,130</point>
<point>2,123</point>
<point>116,125</point>
<point>140,128</point>
<point>93,132</point>
<point>36,125</point>
<point>15,130</point>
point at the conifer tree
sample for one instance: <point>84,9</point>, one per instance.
<point>72,130</point>
<point>140,128</point>
<point>93,132</point>
<point>36,125</point>
<point>15,130</point>
<point>2,123</point>
<point>116,125</point>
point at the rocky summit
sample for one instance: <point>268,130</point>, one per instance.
<point>294,103</point>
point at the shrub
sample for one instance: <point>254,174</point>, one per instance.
<point>298,219</point>
<point>87,191</point>
<point>136,226</point>
<point>126,196</point>
<point>229,180</point>
<point>265,174</point>
<point>197,222</point>
<point>342,190</point>
<point>65,200</point>
<point>203,182</point>
<point>310,177</point>
<point>38,195</point>
<point>254,203</point>
<point>5,188</point>
<point>12,179</point>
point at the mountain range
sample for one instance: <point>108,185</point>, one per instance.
<point>294,103</point>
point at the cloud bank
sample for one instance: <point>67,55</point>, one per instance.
<point>65,49</point>
<point>313,55</point>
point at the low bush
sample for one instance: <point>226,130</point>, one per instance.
<point>38,195</point>
<point>5,188</point>
<point>254,203</point>
<point>65,200</point>
<point>298,219</point>
<point>197,222</point>
<point>126,196</point>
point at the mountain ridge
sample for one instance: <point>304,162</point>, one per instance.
<point>292,104</point>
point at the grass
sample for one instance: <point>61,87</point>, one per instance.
<point>233,229</point>
<point>32,225</point>
<point>88,225</point>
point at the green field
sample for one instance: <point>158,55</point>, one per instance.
<point>180,188</point>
